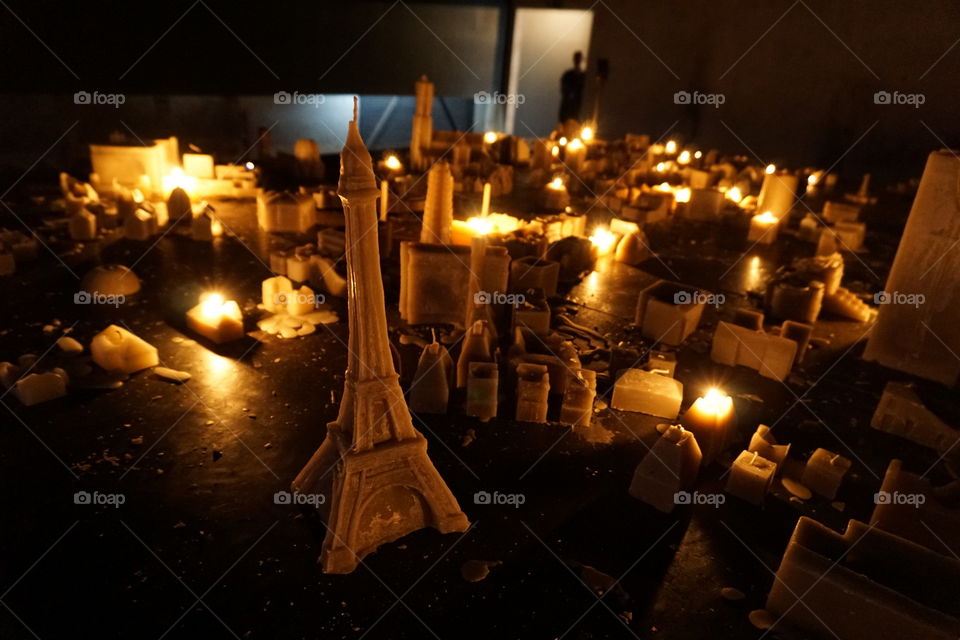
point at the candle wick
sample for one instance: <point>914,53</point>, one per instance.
<point>355,102</point>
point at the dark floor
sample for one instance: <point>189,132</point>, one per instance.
<point>200,549</point>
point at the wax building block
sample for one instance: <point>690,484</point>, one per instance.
<point>646,392</point>
<point>750,477</point>
<point>670,466</point>
<point>669,311</point>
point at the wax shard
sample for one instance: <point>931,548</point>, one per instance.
<point>41,387</point>
<point>902,413</point>
<point>373,463</point>
<point>864,583</point>
<point>763,442</point>
<point>670,466</point>
<point>913,338</point>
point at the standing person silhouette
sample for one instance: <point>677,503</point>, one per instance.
<point>571,90</point>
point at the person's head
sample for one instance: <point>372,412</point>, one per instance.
<point>577,59</point>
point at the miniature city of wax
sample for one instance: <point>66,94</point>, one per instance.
<point>497,283</point>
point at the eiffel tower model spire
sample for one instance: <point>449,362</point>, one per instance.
<point>372,466</point>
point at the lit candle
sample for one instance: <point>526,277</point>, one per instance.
<point>684,157</point>
<point>671,147</point>
<point>604,240</point>
<point>586,134</point>
<point>216,319</point>
<point>556,195</point>
<point>490,137</point>
<point>763,228</point>
<point>711,419</point>
<point>733,194</point>
<point>575,154</point>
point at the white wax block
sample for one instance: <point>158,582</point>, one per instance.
<point>198,165</point>
<point>274,291</point>
<point>139,226</point>
<point>40,387</point>
<point>301,301</point>
<point>824,472</point>
<point>83,226</point>
<point>750,477</point>
<point>299,268</point>
<point>900,412</point>
<point>778,357</point>
<point>725,343</point>
<point>669,312</point>
<point>116,349</point>
<point>850,235</point>
<point>752,347</point>
<point>646,392</point>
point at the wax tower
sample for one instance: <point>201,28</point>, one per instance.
<point>438,208</point>
<point>383,485</point>
<point>421,133</point>
<point>918,338</point>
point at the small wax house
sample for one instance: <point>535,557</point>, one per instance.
<point>646,392</point>
<point>669,311</point>
<point>669,467</point>
<point>533,387</point>
<point>285,211</point>
<point>434,280</point>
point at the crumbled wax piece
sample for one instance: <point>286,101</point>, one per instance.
<point>41,387</point>
<point>116,349</point>
<point>171,375</point>
<point>69,345</point>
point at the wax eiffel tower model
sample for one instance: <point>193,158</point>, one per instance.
<point>373,465</point>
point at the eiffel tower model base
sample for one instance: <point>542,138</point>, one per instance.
<point>376,496</point>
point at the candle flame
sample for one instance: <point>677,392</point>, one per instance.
<point>392,162</point>
<point>480,226</point>
<point>734,194</point>
<point>211,305</point>
<point>603,239</point>
<point>177,179</point>
<point>562,141</point>
<point>555,151</point>
<point>716,401</point>
<point>767,217</point>
<point>490,137</point>
<point>698,155</point>
<point>556,183</point>
<point>671,146</point>
<point>682,194</point>
<point>586,134</point>
<point>249,166</point>
<point>575,145</point>
<point>661,167</point>
<point>770,169</point>
<point>684,157</point>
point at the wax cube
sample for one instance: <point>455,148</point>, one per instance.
<point>824,472</point>
<point>646,392</point>
<point>750,477</point>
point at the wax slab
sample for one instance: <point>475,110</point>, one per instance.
<point>912,338</point>
<point>646,392</point>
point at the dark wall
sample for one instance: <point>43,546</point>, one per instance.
<point>803,89</point>
<point>798,77</point>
